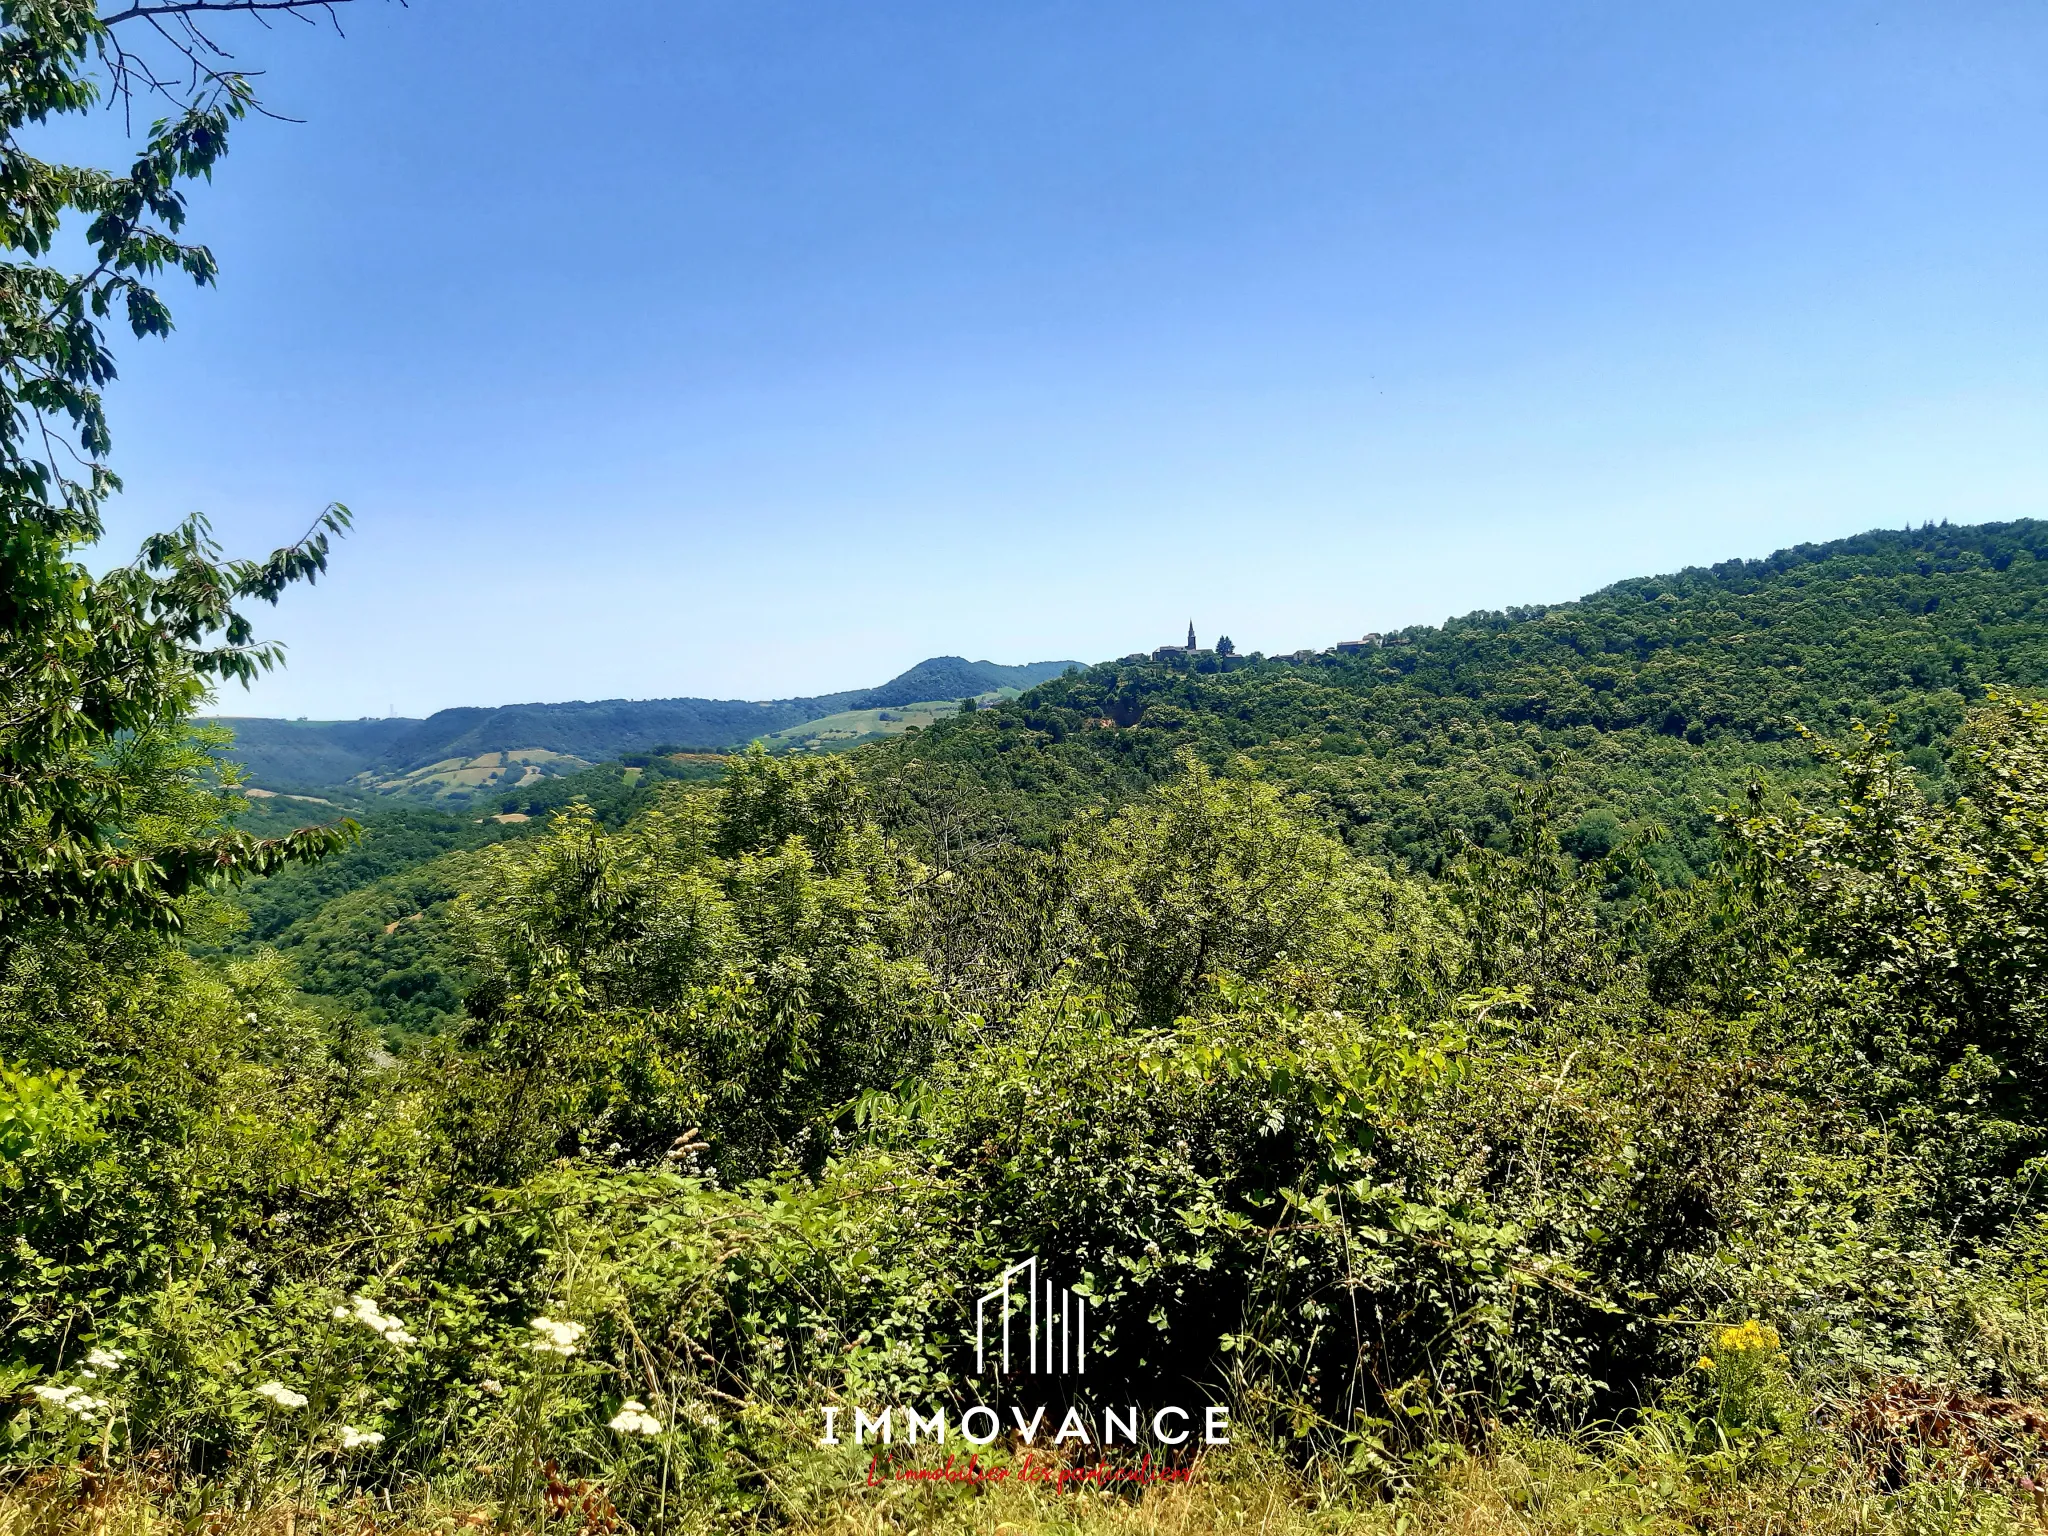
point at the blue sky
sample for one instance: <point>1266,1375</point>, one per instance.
<point>757,348</point>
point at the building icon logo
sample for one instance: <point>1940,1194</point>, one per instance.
<point>1046,1325</point>
<point>1030,1325</point>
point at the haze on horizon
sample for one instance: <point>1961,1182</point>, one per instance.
<point>753,351</point>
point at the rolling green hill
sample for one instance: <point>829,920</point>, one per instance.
<point>311,754</point>
<point>1647,703</point>
<point>458,753</point>
<point>466,777</point>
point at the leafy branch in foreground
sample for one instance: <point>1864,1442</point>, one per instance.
<point>90,664</point>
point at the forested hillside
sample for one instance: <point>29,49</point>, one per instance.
<point>311,754</point>
<point>369,929</point>
<point>1636,714</point>
<point>1647,705</point>
<point>1745,1172</point>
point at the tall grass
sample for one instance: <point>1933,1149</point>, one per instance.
<point>1643,1482</point>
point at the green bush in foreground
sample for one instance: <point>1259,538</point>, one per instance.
<point>1401,1169</point>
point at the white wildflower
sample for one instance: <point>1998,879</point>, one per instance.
<point>106,1359</point>
<point>281,1395</point>
<point>555,1338</point>
<point>634,1419</point>
<point>72,1400</point>
<point>365,1311</point>
<point>351,1437</point>
<point>490,1386</point>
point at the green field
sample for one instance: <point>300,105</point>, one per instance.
<point>854,727</point>
<point>465,776</point>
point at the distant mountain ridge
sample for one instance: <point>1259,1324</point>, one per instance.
<point>304,754</point>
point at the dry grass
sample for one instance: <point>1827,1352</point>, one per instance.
<point>1537,1487</point>
<point>1544,1491</point>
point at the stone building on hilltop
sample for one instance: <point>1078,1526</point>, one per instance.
<point>1169,652</point>
<point>1222,657</point>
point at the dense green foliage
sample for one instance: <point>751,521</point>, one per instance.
<point>1646,704</point>
<point>369,930</point>
<point>1526,1023</point>
<point>614,791</point>
<point>392,842</point>
<point>1681,689</point>
<point>385,951</point>
<point>760,1100</point>
<point>1407,1057</point>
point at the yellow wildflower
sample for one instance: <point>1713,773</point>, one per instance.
<point>1747,1338</point>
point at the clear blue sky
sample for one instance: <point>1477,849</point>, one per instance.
<point>755,348</point>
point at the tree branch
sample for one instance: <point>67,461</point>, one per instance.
<point>192,7</point>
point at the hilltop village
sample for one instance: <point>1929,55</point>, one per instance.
<point>1224,656</point>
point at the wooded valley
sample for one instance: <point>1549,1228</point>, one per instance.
<point>1574,1069</point>
<point>1623,1014</point>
